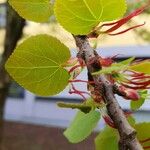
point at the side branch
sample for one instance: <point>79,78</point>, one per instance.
<point>127,134</point>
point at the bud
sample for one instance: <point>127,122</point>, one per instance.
<point>106,62</point>
<point>132,94</point>
<point>109,121</point>
<point>129,93</point>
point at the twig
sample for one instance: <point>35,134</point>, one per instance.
<point>128,140</point>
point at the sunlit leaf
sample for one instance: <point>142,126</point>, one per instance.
<point>81,16</point>
<point>34,10</point>
<point>82,126</point>
<point>143,67</point>
<point>36,64</point>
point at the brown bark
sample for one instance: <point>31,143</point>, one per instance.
<point>14,28</point>
<point>128,140</point>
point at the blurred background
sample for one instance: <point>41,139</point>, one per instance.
<point>29,122</point>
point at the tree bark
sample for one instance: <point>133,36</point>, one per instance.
<point>128,140</point>
<point>14,27</point>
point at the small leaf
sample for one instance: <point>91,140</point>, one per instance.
<point>34,10</point>
<point>107,139</point>
<point>36,64</point>
<point>143,133</point>
<point>82,16</point>
<point>82,126</point>
<point>127,61</point>
<point>85,107</point>
<point>137,104</point>
<point>143,67</point>
<point>82,107</point>
<point>123,65</point>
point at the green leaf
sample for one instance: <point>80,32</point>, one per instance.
<point>107,139</point>
<point>82,107</point>
<point>81,16</point>
<point>82,126</point>
<point>34,10</point>
<point>143,133</point>
<point>85,107</point>
<point>123,65</point>
<point>127,61</point>
<point>143,67</point>
<point>36,64</point>
<point>137,104</point>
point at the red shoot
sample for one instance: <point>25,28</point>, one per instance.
<point>146,147</point>
<point>123,21</point>
<point>144,141</point>
<point>74,68</point>
<point>124,31</point>
<point>83,81</point>
<point>117,24</point>
<point>75,91</point>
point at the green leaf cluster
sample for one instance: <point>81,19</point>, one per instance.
<point>80,17</point>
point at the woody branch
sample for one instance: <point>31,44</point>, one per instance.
<point>127,134</point>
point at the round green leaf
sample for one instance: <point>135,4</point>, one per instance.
<point>36,64</point>
<point>82,126</point>
<point>34,10</point>
<point>81,16</point>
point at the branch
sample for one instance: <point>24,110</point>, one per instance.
<point>127,134</point>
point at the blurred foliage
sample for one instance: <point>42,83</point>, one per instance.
<point>143,33</point>
<point>134,4</point>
